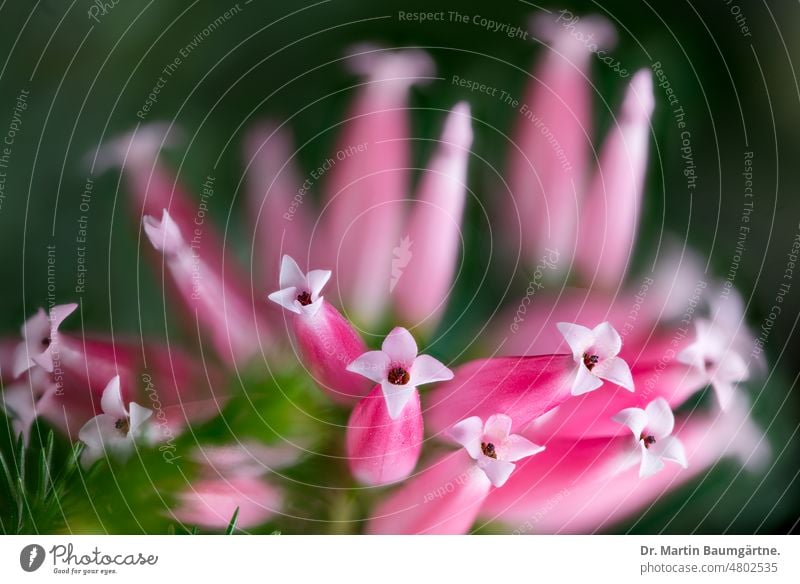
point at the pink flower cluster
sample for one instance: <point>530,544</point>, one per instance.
<point>574,421</point>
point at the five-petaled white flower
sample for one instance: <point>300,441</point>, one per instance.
<point>115,430</point>
<point>493,446</point>
<point>300,292</point>
<point>38,333</point>
<point>399,369</point>
<point>652,429</point>
<point>595,352</point>
<point>713,354</point>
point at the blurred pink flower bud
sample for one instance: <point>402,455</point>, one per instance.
<point>383,449</point>
<point>369,180</point>
<point>422,286</point>
<point>610,216</point>
<point>216,303</point>
<point>552,138</point>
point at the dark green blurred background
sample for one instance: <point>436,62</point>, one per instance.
<point>88,79</point>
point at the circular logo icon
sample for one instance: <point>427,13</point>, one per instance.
<point>31,557</point>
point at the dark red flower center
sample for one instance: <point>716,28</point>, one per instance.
<point>488,449</point>
<point>398,375</point>
<point>304,298</point>
<point>649,440</point>
<point>590,360</point>
<point>46,342</point>
<point>123,425</point>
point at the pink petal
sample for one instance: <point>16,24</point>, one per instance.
<point>211,503</point>
<point>518,447</point>
<point>165,234</point>
<point>111,402</point>
<point>523,388</point>
<point>497,428</point>
<point>400,346</point>
<point>615,370</point>
<point>397,397</point>
<point>423,284</point>
<point>426,369</point>
<point>382,449</point>
<point>660,420</point>
<point>328,344</point>
<point>610,215</point>
<point>443,499</point>
<point>468,433</point>
<point>373,365</point>
<point>579,338</point>
<point>551,141</point>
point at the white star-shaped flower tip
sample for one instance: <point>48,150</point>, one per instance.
<point>712,354</point>
<point>115,430</point>
<point>595,352</point>
<point>39,333</point>
<point>493,446</point>
<point>399,369</point>
<point>300,292</point>
<point>652,429</point>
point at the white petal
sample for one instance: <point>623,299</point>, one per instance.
<point>468,433</point>
<point>670,448</point>
<point>497,471</point>
<point>111,402</point>
<point>373,365</point>
<point>59,313</point>
<point>518,447</point>
<point>400,346</point>
<point>164,235</point>
<point>615,370</point>
<point>732,368</point>
<point>660,420</point>
<point>139,415</point>
<point>317,280</point>
<point>607,341</point>
<point>19,404</point>
<point>651,463</point>
<point>291,274</point>
<point>584,381</point>
<point>287,297</point>
<point>633,418</point>
<point>426,369</point>
<point>311,309</point>
<point>497,429</point>
<point>725,393</point>
<point>396,396</point>
<point>100,435</point>
<point>579,338</point>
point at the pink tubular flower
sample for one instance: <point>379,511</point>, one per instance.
<point>610,216</point>
<point>368,186</point>
<point>587,485</point>
<point>216,305</point>
<point>434,226</point>
<point>652,428</point>
<point>399,369</point>
<point>446,497</point>
<point>382,449</point>
<point>548,159</point>
<point>526,388</point>
<point>327,342</point>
